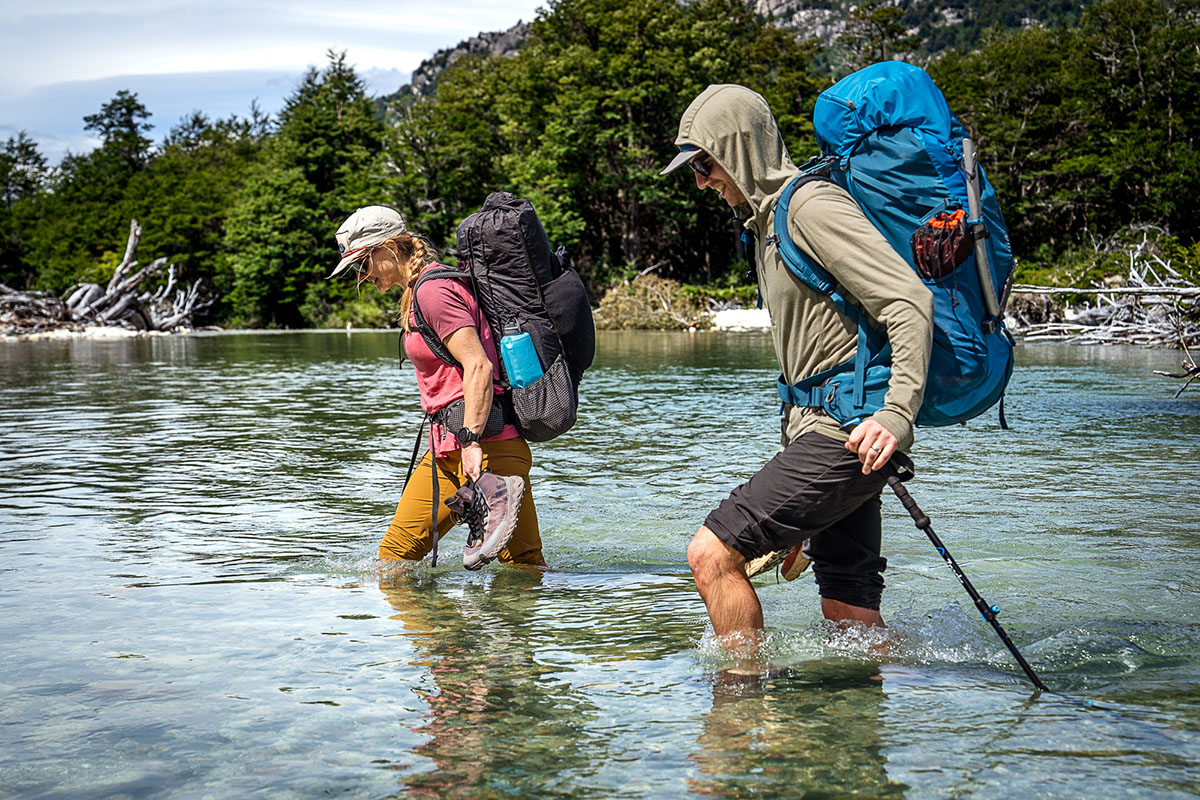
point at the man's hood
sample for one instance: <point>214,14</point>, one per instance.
<point>735,126</point>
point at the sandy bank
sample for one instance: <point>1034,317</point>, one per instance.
<point>741,319</point>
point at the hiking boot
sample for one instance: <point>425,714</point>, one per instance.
<point>489,506</point>
<point>791,563</point>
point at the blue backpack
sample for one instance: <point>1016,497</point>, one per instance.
<point>889,139</point>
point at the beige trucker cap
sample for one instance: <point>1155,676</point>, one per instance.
<point>365,228</point>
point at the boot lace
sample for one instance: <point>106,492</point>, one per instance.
<point>474,517</point>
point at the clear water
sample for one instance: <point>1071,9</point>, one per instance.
<point>190,606</point>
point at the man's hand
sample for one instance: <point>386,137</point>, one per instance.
<point>472,460</point>
<point>873,443</point>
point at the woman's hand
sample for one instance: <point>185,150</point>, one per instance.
<point>465,346</point>
<point>472,461</point>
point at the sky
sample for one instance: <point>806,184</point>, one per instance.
<point>63,59</point>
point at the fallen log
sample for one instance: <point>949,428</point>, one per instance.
<point>1103,291</point>
<point>123,301</point>
<point>31,311</point>
<point>1151,305</point>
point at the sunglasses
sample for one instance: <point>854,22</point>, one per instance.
<point>362,264</point>
<point>701,165</point>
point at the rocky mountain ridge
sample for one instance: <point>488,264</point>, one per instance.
<point>425,77</point>
<point>942,24</point>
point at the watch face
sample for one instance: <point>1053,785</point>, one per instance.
<point>466,435</point>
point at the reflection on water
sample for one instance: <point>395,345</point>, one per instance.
<point>812,732</point>
<point>488,699</point>
<point>190,605</point>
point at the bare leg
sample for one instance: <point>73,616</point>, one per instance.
<point>733,607</point>
<point>844,613</point>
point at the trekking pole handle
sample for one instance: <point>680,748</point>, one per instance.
<point>906,499</point>
<point>979,232</point>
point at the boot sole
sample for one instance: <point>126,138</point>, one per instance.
<point>791,563</point>
<point>487,551</point>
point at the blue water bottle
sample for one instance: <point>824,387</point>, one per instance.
<point>520,358</point>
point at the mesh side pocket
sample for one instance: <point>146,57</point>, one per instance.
<point>546,408</point>
<point>941,245</point>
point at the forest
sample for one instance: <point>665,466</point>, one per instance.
<point>1086,127</point>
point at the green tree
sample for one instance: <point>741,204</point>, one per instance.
<point>23,169</point>
<point>444,155</point>
<point>610,80</point>
<point>274,236</point>
<point>122,128</point>
<point>23,174</point>
<point>875,32</point>
<point>86,214</point>
<point>1014,96</point>
<point>321,164</point>
<point>1086,131</point>
<point>184,200</point>
<point>582,120</point>
<point>1137,62</point>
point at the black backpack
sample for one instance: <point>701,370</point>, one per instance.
<point>522,285</point>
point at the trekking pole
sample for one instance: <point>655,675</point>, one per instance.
<point>989,613</point>
<point>979,232</point>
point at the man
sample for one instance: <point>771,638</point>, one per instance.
<point>821,491</point>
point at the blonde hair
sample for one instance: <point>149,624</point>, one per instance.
<point>412,253</point>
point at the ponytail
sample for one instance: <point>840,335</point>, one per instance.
<point>413,253</point>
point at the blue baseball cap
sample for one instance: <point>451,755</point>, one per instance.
<point>686,153</point>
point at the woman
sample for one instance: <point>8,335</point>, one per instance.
<point>481,463</point>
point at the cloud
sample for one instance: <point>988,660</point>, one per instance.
<point>53,114</point>
<point>104,39</point>
<point>66,58</point>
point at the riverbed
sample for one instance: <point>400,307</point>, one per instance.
<point>191,606</point>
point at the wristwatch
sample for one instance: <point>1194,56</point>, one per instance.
<point>466,436</point>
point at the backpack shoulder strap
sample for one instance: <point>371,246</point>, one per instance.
<point>432,341</point>
<point>812,274</point>
<point>872,347</point>
<point>807,269</point>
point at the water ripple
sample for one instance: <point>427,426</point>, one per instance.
<point>188,530</point>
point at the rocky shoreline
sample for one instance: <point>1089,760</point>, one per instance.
<point>649,303</point>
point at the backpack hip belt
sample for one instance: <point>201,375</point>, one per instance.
<point>452,415</point>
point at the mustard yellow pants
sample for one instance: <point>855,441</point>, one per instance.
<point>409,536</point>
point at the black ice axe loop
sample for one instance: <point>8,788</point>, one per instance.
<point>988,612</point>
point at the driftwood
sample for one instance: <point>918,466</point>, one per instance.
<point>649,302</point>
<point>122,302</point>
<point>1152,305</point>
<point>1190,371</point>
<point>29,312</point>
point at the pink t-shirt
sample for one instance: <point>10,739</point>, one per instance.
<point>447,306</point>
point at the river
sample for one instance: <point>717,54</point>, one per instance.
<point>191,608</point>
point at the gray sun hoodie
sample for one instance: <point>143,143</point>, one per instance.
<point>735,126</point>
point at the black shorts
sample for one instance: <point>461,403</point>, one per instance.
<point>812,490</point>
